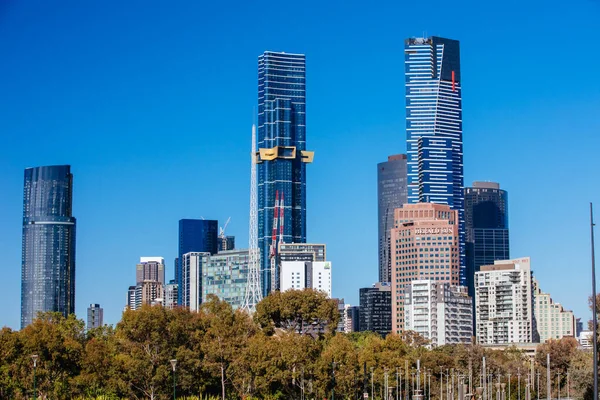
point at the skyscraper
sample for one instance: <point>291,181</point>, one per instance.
<point>281,155</point>
<point>425,247</point>
<point>391,194</point>
<point>486,222</point>
<point>48,263</point>
<point>434,127</point>
<point>150,269</point>
<point>195,235</point>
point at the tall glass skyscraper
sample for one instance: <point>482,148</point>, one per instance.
<point>391,194</point>
<point>48,255</point>
<point>282,154</point>
<point>434,127</point>
<point>486,221</point>
<point>195,235</point>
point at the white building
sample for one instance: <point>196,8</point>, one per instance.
<point>306,274</point>
<point>504,303</point>
<point>191,279</point>
<point>171,290</point>
<point>552,320</point>
<point>441,313</point>
<point>586,340</point>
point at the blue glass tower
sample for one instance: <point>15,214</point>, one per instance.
<point>434,127</point>
<point>48,255</point>
<point>282,154</point>
<point>198,235</point>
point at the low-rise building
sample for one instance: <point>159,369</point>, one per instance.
<point>552,320</point>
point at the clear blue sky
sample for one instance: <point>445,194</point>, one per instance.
<point>151,103</point>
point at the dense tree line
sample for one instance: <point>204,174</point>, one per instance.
<point>287,348</point>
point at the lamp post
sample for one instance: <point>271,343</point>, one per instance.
<point>34,358</point>
<point>509,386</point>
<point>174,365</point>
<point>333,381</point>
<point>372,386</point>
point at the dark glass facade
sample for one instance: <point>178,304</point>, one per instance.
<point>48,252</point>
<point>195,235</point>
<point>375,310</point>
<point>434,127</point>
<point>391,194</point>
<point>282,155</point>
<point>486,219</point>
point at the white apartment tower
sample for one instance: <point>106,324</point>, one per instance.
<point>504,303</point>
<point>439,312</point>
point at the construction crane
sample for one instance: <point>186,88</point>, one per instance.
<point>222,230</point>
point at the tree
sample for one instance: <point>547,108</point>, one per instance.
<point>305,311</point>
<point>226,336</point>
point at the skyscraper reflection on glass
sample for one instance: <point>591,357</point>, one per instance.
<point>282,156</point>
<point>434,127</point>
<point>48,255</point>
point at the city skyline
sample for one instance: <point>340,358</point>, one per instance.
<point>108,183</point>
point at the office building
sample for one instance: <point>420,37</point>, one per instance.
<point>171,290</point>
<point>95,316</point>
<point>190,291</point>
<point>226,243</point>
<point>351,318</point>
<point>425,245</point>
<point>282,156</point>
<point>300,275</point>
<point>225,275</point>
<point>195,235</point>
<point>375,311</point>
<point>578,327</point>
<point>391,194</point>
<point>48,252</point>
<point>486,223</point>
<point>552,320</point>
<point>586,340</point>
<point>302,252</point>
<point>438,312</point>
<point>434,128</point>
<point>150,269</point>
<point>504,303</point>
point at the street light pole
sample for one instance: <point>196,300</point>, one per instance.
<point>372,386</point>
<point>595,311</point>
<point>333,381</point>
<point>34,358</point>
<point>174,365</point>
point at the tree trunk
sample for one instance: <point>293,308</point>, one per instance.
<point>223,381</point>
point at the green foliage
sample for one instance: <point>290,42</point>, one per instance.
<point>288,348</point>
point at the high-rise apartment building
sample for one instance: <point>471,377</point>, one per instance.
<point>149,293</point>
<point>225,275</point>
<point>375,309</point>
<point>195,235</point>
<point>504,303</point>
<point>552,320</point>
<point>434,127</point>
<point>425,245</point>
<point>351,318</point>
<point>282,156</point>
<point>391,194</point>
<point>95,316</point>
<point>132,301</point>
<point>171,290</point>
<point>486,222</point>
<point>190,291</point>
<point>440,313</point>
<point>48,253</point>
<point>150,269</point>
<point>300,275</point>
